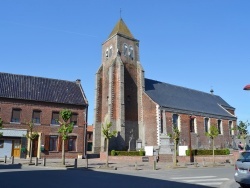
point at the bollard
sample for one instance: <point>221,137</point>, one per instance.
<point>204,162</point>
<point>12,160</point>
<point>75,163</point>
<point>44,161</point>
<point>154,166</point>
<point>87,163</point>
<point>195,163</point>
<point>5,159</point>
<point>135,165</point>
<point>36,162</point>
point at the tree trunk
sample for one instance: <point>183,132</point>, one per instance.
<point>213,153</point>
<point>175,158</point>
<point>31,145</point>
<point>107,152</point>
<point>63,153</point>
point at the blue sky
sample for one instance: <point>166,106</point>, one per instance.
<point>199,44</point>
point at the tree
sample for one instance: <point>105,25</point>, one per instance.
<point>175,136</point>
<point>212,134</point>
<point>32,136</point>
<point>108,135</point>
<point>65,128</point>
<point>242,131</point>
<point>1,126</point>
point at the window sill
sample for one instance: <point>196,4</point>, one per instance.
<point>54,125</point>
<point>15,123</point>
<point>37,123</point>
<point>54,151</point>
<point>72,151</point>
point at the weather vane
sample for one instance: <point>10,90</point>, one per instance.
<point>120,13</point>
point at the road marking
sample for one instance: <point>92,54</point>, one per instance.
<point>213,181</point>
<point>216,179</point>
<point>194,177</point>
<point>210,183</point>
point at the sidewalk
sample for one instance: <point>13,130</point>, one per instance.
<point>96,163</point>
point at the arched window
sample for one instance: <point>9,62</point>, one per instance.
<point>107,53</point>
<point>131,52</point>
<point>206,125</point>
<point>125,49</point>
<point>110,51</point>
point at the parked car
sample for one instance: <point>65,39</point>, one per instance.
<point>242,169</point>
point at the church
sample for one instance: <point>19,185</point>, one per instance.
<point>144,111</point>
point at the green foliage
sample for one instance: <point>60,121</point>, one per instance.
<point>213,132</point>
<point>113,153</point>
<point>23,150</point>
<point>106,131</point>
<point>227,151</point>
<point>242,129</point>
<point>65,115</point>
<point>65,127</point>
<point>31,134</point>
<point>127,153</point>
<point>208,152</point>
<point>141,152</point>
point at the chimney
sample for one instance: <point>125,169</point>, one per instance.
<point>78,81</point>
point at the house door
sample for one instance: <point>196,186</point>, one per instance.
<point>34,147</point>
<point>16,148</point>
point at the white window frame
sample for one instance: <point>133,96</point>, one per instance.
<point>125,46</point>
<point>208,124</point>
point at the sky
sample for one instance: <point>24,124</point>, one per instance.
<point>198,44</point>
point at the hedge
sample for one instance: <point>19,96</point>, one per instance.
<point>127,153</point>
<point>208,152</point>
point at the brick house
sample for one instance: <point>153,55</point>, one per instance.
<point>26,98</point>
<point>143,111</point>
<point>90,137</point>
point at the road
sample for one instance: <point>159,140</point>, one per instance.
<point>40,177</point>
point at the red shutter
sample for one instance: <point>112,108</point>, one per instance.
<point>46,144</point>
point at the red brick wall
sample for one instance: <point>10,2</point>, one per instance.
<point>149,119</point>
<point>45,128</point>
<point>220,142</point>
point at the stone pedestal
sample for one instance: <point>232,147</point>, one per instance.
<point>166,147</point>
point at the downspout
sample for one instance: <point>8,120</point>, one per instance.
<point>85,134</point>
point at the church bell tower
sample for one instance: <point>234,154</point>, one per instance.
<point>118,91</point>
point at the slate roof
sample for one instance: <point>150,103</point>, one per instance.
<point>41,89</point>
<point>185,99</point>
<point>121,28</point>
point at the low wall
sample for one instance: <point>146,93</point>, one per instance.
<point>181,159</point>
<point>209,158</point>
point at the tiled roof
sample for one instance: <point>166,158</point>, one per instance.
<point>185,99</point>
<point>41,89</point>
<point>121,28</point>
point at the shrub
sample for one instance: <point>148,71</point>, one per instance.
<point>127,153</point>
<point>141,152</point>
<point>113,153</point>
<point>208,152</point>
